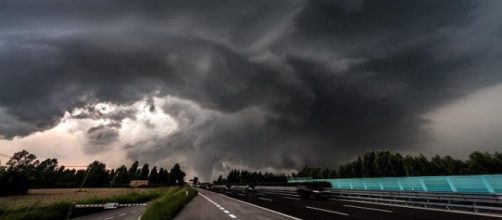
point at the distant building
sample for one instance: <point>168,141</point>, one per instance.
<point>138,183</point>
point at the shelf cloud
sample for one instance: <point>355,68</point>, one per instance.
<point>254,84</point>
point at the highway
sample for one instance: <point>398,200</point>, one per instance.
<point>212,205</point>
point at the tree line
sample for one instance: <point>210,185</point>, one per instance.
<point>24,171</point>
<point>243,177</point>
<point>379,164</point>
<point>389,164</point>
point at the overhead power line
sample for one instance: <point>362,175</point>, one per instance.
<point>5,155</point>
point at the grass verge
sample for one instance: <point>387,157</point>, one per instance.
<point>59,210</point>
<point>167,206</point>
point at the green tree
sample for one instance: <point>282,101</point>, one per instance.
<point>176,176</point>
<point>153,179</point>
<point>145,171</point>
<point>98,175</point>
<point>163,177</point>
<point>122,177</point>
<point>20,173</point>
<point>46,173</point>
<point>133,171</point>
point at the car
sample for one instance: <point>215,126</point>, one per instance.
<point>250,188</point>
<point>228,188</point>
<point>205,185</point>
<point>314,190</point>
<point>218,188</point>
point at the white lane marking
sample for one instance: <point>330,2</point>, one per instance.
<point>240,194</point>
<point>266,199</point>
<point>292,198</point>
<point>108,218</point>
<point>270,210</point>
<point>139,217</point>
<point>325,210</point>
<point>134,211</point>
<point>368,208</point>
<point>423,208</point>
<point>221,207</point>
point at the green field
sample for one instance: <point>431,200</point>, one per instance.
<point>55,203</point>
<point>43,197</point>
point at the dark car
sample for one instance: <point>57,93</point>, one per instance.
<point>228,188</point>
<point>314,190</point>
<point>218,188</point>
<point>205,185</point>
<point>247,189</point>
<point>251,188</point>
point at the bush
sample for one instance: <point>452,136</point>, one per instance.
<point>13,183</point>
<point>167,206</point>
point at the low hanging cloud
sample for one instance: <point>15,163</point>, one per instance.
<point>100,137</point>
<point>304,82</point>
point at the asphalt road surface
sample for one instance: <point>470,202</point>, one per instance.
<point>213,206</point>
<point>290,205</point>
<point>129,213</point>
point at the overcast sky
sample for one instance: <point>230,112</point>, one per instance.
<point>269,85</point>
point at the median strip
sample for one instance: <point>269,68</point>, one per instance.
<point>325,210</point>
<point>169,204</point>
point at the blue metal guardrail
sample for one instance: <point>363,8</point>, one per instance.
<point>456,184</point>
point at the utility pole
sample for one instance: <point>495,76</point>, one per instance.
<point>113,180</point>
<point>85,178</point>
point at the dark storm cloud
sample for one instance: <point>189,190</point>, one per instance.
<point>100,137</point>
<point>259,83</point>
